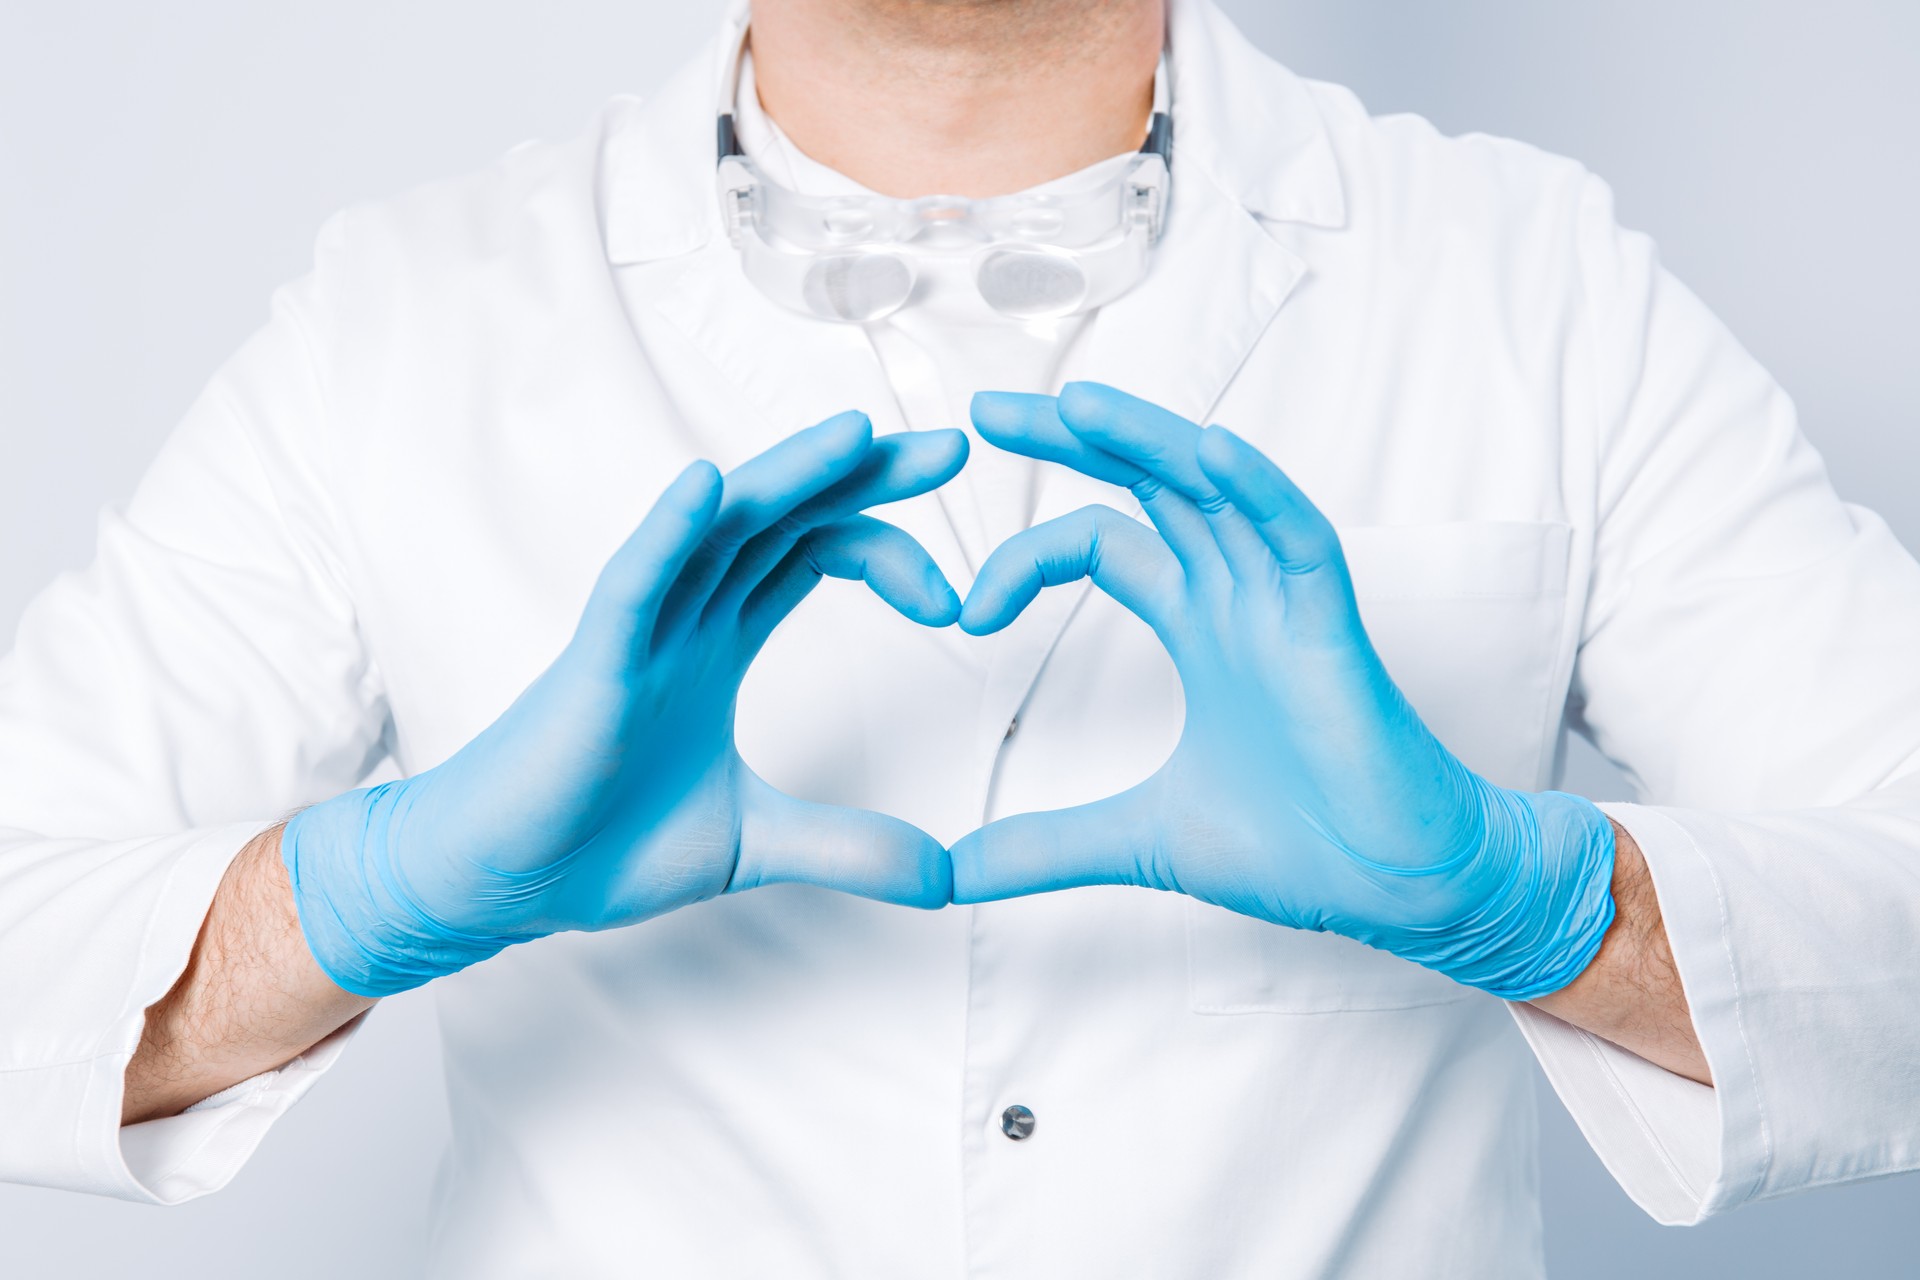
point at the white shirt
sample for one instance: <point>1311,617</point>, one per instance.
<point>1571,503</point>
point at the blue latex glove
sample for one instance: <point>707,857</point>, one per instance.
<point>611,790</point>
<point>1304,789</point>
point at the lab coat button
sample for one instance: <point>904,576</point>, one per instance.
<point>1011,726</point>
<point>1017,1123</point>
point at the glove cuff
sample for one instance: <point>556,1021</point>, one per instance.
<point>1550,855</point>
<point>365,928</point>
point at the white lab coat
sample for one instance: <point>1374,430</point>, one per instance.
<point>1571,501</point>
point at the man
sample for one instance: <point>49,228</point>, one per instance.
<point>1492,475</point>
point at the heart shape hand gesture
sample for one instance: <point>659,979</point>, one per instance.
<point>1304,790</point>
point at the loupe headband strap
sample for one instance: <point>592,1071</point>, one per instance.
<point>1159,138</point>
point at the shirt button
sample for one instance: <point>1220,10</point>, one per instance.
<point>1017,1123</point>
<point>1011,726</point>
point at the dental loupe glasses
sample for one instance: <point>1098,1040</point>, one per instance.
<point>1032,255</point>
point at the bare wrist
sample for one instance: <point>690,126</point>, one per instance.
<point>1631,992</point>
<point>251,999</point>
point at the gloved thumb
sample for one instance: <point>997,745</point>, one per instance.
<point>1111,841</point>
<point>856,851</point>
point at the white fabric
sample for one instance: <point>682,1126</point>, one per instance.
<point>1570,501</point>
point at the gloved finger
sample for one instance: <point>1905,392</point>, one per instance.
<point>856,851</point>
<point>1111,841</point>
<point>757,493</point>
<point>1033,425</point>
<point>859,549</point>
<point>897,467</point>
<point>1123,557</point>
<point>627,596</point>
<point>1302,539</point>
<point>1030,425</point>
<point>1157,440</point>
<point>1165,446</point>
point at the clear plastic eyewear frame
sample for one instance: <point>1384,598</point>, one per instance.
<point>1032,255</point>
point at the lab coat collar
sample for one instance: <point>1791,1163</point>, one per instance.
<point>1248,123</point>
<point>661,194</point>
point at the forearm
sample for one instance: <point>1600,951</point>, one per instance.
<point>1631,994</point>
<point>252,998</point>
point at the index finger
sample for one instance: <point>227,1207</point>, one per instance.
<point>755,495</point>
<point>1156,440</point>
<point>1030,425</point>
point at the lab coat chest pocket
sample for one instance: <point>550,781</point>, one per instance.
<point>1469,620</point>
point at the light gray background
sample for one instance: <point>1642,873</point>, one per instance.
<point>163,167</point>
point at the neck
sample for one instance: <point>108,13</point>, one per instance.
<point>958,97</point>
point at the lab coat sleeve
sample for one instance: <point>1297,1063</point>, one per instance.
<point>201,679</point>
<point>1751,658</point>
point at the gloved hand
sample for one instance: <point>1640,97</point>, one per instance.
<point>611,790</point>
<point>1304,789</point>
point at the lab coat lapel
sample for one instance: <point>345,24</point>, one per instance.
<point>793,371</point>
<point>1250,152</point>
<point>1176,340</point>
<point>662,215</point>
<point>1218,279</point>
